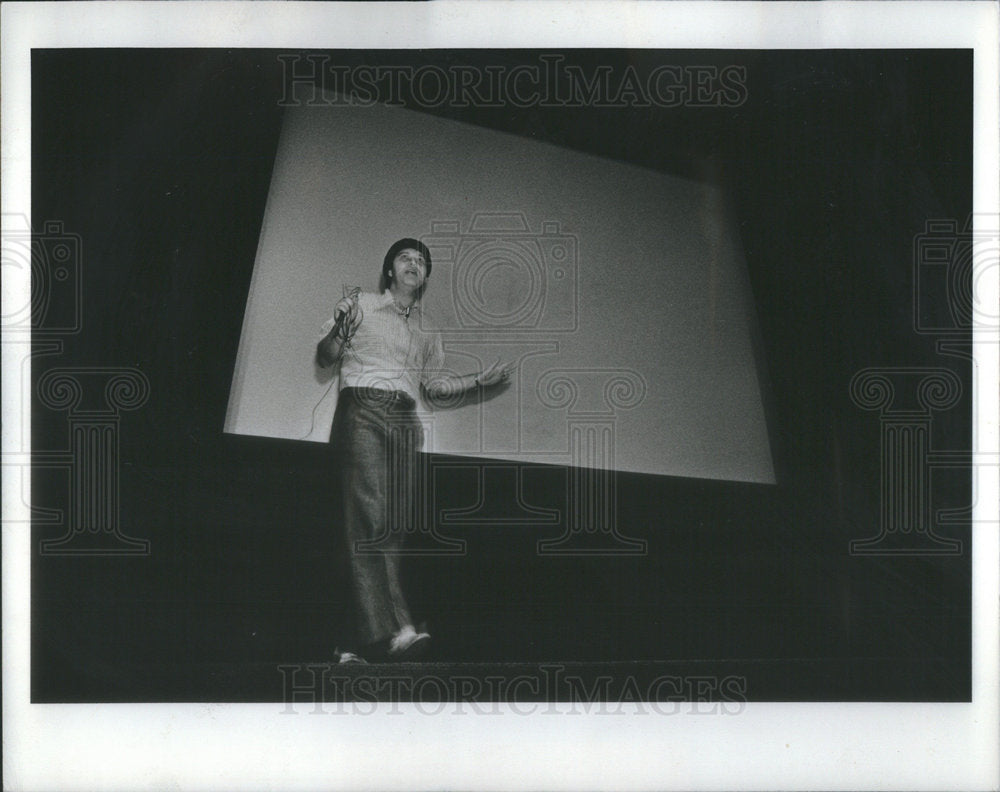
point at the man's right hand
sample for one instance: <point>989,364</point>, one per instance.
<point>352,313</point>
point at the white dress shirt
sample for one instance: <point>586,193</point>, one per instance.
<point>389,351</point>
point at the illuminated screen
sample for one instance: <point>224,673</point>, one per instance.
<point>621,293</point>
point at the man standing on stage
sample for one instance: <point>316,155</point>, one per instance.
<point>387,363</point>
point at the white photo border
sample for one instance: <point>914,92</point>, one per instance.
<point>257,746</point>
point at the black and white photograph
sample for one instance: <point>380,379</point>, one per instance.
<point>471,394</point>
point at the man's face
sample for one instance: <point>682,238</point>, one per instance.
<point>409,269</point>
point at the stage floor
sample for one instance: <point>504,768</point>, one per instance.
<point>725,684</point>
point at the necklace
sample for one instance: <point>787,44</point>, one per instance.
<point>402,310</point>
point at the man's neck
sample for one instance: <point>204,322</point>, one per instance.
<point>403,297</point>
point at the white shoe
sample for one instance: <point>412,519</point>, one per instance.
<point>408,644</point>
<point>345,658</point>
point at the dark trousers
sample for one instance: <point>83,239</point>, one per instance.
<point>376,437</point>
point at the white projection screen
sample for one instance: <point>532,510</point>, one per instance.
<point>620,292</point>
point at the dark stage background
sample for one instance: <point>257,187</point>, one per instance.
<point>160,161</point>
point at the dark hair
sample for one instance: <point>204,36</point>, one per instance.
<point>402,244</point>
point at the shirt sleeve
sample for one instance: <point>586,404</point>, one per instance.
<point>326,328</point>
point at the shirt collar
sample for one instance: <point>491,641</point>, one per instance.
<point>386,300</point>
